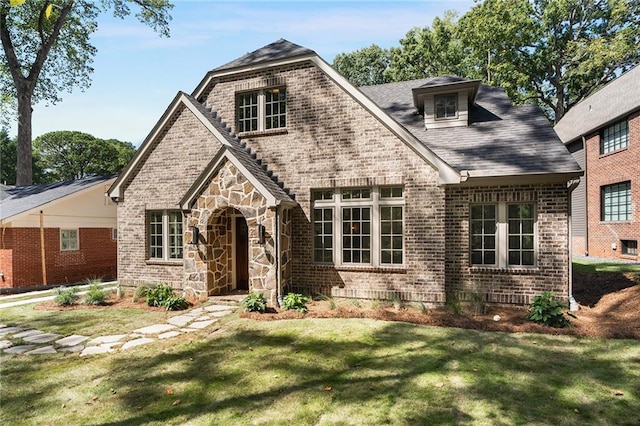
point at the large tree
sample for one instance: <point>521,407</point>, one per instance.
<point>8,151</point>
<point>553,52</point>
<point>46,50</point>
<point>366,66</point>
<point>66,155</point>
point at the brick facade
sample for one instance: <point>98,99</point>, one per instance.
<point>616,167</point>
<point>21,258</point>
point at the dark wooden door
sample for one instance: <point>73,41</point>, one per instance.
<point>242,254</point>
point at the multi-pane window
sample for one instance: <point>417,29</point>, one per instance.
<point>68,239</point>
<point>629,247</point>
<point>164,232</point>
<point>502,234</point>
<point>359,226</point>
<point>521,237</point>
<point>614,137</point>
<point>615,202</point>
<point>483,234</point>
<point>261,110</point>
<point>446,106</point>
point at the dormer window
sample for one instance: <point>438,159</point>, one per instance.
<point>446,106</point>
<point>262,110</point>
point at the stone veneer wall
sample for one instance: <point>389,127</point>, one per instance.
<point>509,285</point>
<point>332,141</point>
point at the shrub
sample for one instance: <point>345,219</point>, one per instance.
<point>295,301</point>
<point>254,302</point>
<point>66,296</point>
<point>158,295</point>
<point>140,292</point>
<point>546,310</point>
<point>95,295</point>
<point>175,303</point>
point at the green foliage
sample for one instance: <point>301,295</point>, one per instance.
<point>397,301</point>
<point>8,154</point>
<point>175,303</point>
<point>366,66</point>
<point>140,292</point>
<point>546,310</point>
<point>68,155</point>
<point>254,302</point>
<point>95,295</point>
<point>295,301</point>
<point>66,296</point>
<point>158,295</point>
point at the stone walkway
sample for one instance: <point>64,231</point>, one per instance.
<point>21,340</point>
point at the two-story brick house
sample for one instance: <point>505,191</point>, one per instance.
<point>277,174</point>
<point>602,132</point>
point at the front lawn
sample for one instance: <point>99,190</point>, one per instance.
<point>587,266</point>
<point>331,371</point>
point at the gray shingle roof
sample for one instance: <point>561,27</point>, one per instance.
<point>20,199</point>
<point>501,139</point>
<point>614,101</point>
<point>279,49</point>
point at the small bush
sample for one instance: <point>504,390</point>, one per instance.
<point>296,301</point>
<point>66,296</point>
<point>546,310</point>
<point>423,308</point>
<point>254,302</point>
<point>95,295</point>
<point>176,303</point>
<point>158,295</point>
<point>140,292</point>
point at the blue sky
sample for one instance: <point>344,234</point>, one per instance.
<point>137,73</point>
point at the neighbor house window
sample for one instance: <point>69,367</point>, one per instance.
<point>446,106</point>
<point>69,239</point>
<point>503,234</point>
<point>262,110</point>
<point>629,247</point>
<point>614,137</point>
<point>615,202</point>
<point>358,226</point>
<point>164,231</point>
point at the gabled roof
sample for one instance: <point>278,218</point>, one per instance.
<point>613,102</point>
<point>443,84</point>
<point>279,49</point>
<point>501,139</point>
<point>16,200</point>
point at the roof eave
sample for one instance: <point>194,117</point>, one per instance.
<point>478,178</point>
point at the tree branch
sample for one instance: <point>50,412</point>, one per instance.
<point>9,51</point>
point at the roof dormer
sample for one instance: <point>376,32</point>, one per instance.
<point>444,101</point>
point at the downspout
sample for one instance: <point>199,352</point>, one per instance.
<point>586,198</point>
<point>278,260</point>
<point>573,306</point>
<point>42,250</point>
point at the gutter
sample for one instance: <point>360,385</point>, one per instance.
<point>573,184</point>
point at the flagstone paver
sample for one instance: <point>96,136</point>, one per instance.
<point>76,348</point>
<point>180,320</point>
<point>168,334</point>
<point>4,344</point>
<point>106,339</point>
<point>94,350</point>
<point>219,314</point>
<point>201,324</point>
<point>10,330</point>
<point>212,308</point>
<point>155,329</point>
<point>42,338</point>
<point>27,333</point>
<point>71,340</point>
<point>42,350</point>
<point>137,342</point>
<point>19,349</point>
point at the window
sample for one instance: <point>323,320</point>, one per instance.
<point>615,202</point>
<point>69,239</point>
<point>164,230</point>
<point>502,234</point>
<point>614,137</point>
<point>262,110</point>
<point>629,247</point>
<point>358,226</point>
<point>446,106</point>
<point>114,234</point>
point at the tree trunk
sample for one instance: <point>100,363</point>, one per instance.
<point>24,170</point>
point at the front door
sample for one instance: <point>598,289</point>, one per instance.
<point>242,254</point>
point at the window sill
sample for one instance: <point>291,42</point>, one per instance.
<point>160,262</point>
<point>610,222</point>
<point>614,152</point>
<point>363,268</point>
<point>258,133</point>
<point>522,270</point>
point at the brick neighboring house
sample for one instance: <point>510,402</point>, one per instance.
<point>277,174</point>
<point>78,229</point>
<point>602,132</point>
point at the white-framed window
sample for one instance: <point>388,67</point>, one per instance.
<point>164,234</point>
<point>446,106</point>
<point>263,109</point>
<point>359,226</point>
<point>502,234</point>
<point>69,240</point>
<point>629,247</point>
<point>615,202</point>
<point>614,137</point>
<point>114,234</point>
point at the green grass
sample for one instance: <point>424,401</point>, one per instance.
<point>334,371</point>
<point>585,266</point>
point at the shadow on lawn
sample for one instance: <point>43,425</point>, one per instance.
<point>400,374</point>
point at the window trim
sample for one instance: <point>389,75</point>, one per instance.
<point>629,204</point>
<point>625,246</point>
<point>77,239</point>
<point>261,109</point>
<point>375,201</point>
<point>165,236</point>
<point>612,148</point>
<point>445,96</point>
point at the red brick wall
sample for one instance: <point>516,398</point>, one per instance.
<point>616,167</point>
<point>21,260</point>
